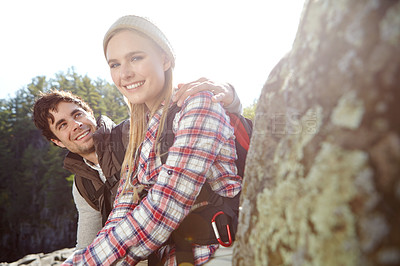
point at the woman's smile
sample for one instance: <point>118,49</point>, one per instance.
<point>137,67</point>
<point>134,85</point>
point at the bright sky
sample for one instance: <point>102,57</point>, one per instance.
<point>226,40</point>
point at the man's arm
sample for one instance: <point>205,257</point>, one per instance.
<point>89,220</point>
<point>223,92</point>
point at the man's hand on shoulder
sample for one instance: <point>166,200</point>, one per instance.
<point>223,92</point>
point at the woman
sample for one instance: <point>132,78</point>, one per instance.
<point>141,61</point>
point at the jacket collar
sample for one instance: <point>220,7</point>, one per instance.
<point>74,162</point>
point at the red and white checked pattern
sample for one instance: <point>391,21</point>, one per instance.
<point>203,151</point>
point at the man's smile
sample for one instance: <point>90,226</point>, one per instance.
<point>84,134</point>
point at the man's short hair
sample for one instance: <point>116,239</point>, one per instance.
<point>47,102</point>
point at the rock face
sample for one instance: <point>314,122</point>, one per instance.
<point>322,180</point>
<point>53,231</point>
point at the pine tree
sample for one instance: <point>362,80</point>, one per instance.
<point>112,99</point>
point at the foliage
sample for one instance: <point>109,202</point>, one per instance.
<point>250,111</point>
<point>35,191</point>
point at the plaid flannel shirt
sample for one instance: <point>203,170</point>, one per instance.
<point>203,151</point>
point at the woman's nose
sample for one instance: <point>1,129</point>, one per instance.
<point>127,71</point>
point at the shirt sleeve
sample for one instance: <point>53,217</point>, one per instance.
<point>203,138</point>
<point>235,106</point>
<point>89,220</point>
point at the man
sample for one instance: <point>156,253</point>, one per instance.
<point>97,148</point>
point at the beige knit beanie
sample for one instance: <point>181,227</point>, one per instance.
<point>144,26</point>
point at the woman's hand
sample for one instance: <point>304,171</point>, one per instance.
<point>223,92</point>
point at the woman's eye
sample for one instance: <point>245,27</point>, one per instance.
<point>114,65</point>
<point>137,58</point>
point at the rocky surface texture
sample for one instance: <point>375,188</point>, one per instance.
<point>53,258</point>
<point>52,231</point>
<point>322,181</point>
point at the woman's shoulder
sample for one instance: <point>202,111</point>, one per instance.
<point>201,99</point>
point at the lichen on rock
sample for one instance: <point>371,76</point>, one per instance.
<point>349,111</point>
<point>312,213</point>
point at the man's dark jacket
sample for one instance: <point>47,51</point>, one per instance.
<point>110,142</point>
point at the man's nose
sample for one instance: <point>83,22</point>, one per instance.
<point>77,125</point>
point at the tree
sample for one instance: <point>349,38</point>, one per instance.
<point>90,94</point>
<point>113,100</point>
<point>250,111</point>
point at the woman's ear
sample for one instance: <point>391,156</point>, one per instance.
<point>167,62</point>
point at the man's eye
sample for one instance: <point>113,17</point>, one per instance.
<point>78,115</point>
<point>63,125</point>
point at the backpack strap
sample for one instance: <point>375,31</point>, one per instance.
<point>93,196</point>
<point>116,141</point>
<point>107,205</point>
<point>87,190</point>
<point>243,129</point>
<point>167,136</point>
<point>197,225</point>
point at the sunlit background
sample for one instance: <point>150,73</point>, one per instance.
<point>234,41</point>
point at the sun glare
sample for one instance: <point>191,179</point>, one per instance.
<point>231,41</point>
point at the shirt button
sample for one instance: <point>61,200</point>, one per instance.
<point>169,172</point>
<point>142,165</point>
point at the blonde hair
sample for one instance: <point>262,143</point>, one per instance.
<point>139,112</point>
<point>138,128</point>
